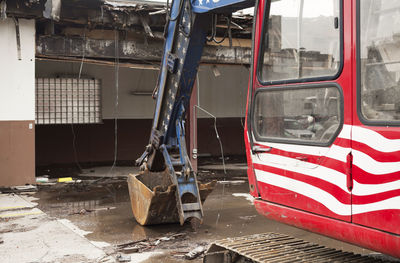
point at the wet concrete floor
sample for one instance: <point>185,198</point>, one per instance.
<point>102,209</point>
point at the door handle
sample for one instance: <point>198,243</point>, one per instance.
<point>349,172</point>
<point>261,149</point>
<point>302,158</point>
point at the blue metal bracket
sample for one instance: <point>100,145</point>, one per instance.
<point>172,63</point>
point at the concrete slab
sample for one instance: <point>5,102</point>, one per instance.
<point>12,201</point>
<point>20,213</point>
<point>29,235</point>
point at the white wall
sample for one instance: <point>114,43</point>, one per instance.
<point>17,77</point>
<point>223,96</point>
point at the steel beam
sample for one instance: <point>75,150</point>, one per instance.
<point>60,46</point>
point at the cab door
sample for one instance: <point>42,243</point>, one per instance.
<point>376,131</point>
<point>301,110</point>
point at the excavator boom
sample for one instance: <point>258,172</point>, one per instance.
<point>166,156</point>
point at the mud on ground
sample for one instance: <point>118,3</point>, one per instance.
<point>100,210</point>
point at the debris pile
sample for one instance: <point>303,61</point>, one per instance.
<point>149,243</point>
<point>182,251</point>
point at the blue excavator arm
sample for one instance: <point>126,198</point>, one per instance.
<point>185,36</point>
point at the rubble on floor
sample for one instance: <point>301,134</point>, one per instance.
<point>91,221</point>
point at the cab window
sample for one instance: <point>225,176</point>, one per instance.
<point>301,41</point>
<point>379,60</point>
<point>299,115</point>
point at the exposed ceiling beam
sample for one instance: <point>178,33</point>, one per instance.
<point>59,46</point>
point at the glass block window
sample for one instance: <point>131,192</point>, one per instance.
<point>68,101</point>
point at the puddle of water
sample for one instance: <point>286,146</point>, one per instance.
<point>230,204</point>
<point>82,233</point>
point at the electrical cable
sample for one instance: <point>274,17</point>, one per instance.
<point>116,60</point>
<point>209,39</point>
<point>214,20</point>
<point>227,32</point>
<point>116,76</point>
<point>220,144</point>
<point>216,133</point>
<point>72,123</point>
<point>74,149</point>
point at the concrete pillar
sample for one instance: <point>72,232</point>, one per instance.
<point>17,102</point>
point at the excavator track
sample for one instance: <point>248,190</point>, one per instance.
<point>273,247</point>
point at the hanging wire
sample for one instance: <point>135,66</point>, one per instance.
<point>72,123</point>
<point>213,28</point>
<point>220,144</point>
<point>227,32</point>
<point>116,102</point>
<point>214,20</point>
<point>216,133</point>
<point>116,72</point>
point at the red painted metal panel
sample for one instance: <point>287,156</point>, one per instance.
<point>355,198</point>
<point>376,175</point>
<point>376,166</point>
<point>309,168</point>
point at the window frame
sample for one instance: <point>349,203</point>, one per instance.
<point>299,87</point>
<point>360,115</point>
<point>79,94</point>
<point>260,59</point>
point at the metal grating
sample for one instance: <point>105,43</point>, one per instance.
<point>68,101</point>
<point>279,248</point>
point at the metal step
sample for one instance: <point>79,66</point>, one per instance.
<point>273,247</point>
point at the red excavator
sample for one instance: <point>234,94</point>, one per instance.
<point>322,129</point>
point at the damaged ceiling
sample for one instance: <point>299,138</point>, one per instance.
<point>69,29</point>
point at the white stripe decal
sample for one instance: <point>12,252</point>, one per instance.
<point>360,159</point>
<point>371,138</point>
<point>372,166</point>
<point>305,189</point>
<point>371,189</point>
<point>307,149</point>
<point>346,132</point>
<point>323,197</point>
<point>324,173</point>
<point>338,153</point>
<point>362,135</point>
<point>391,203</point>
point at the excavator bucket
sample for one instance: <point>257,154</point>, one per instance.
<point>153,197</point>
